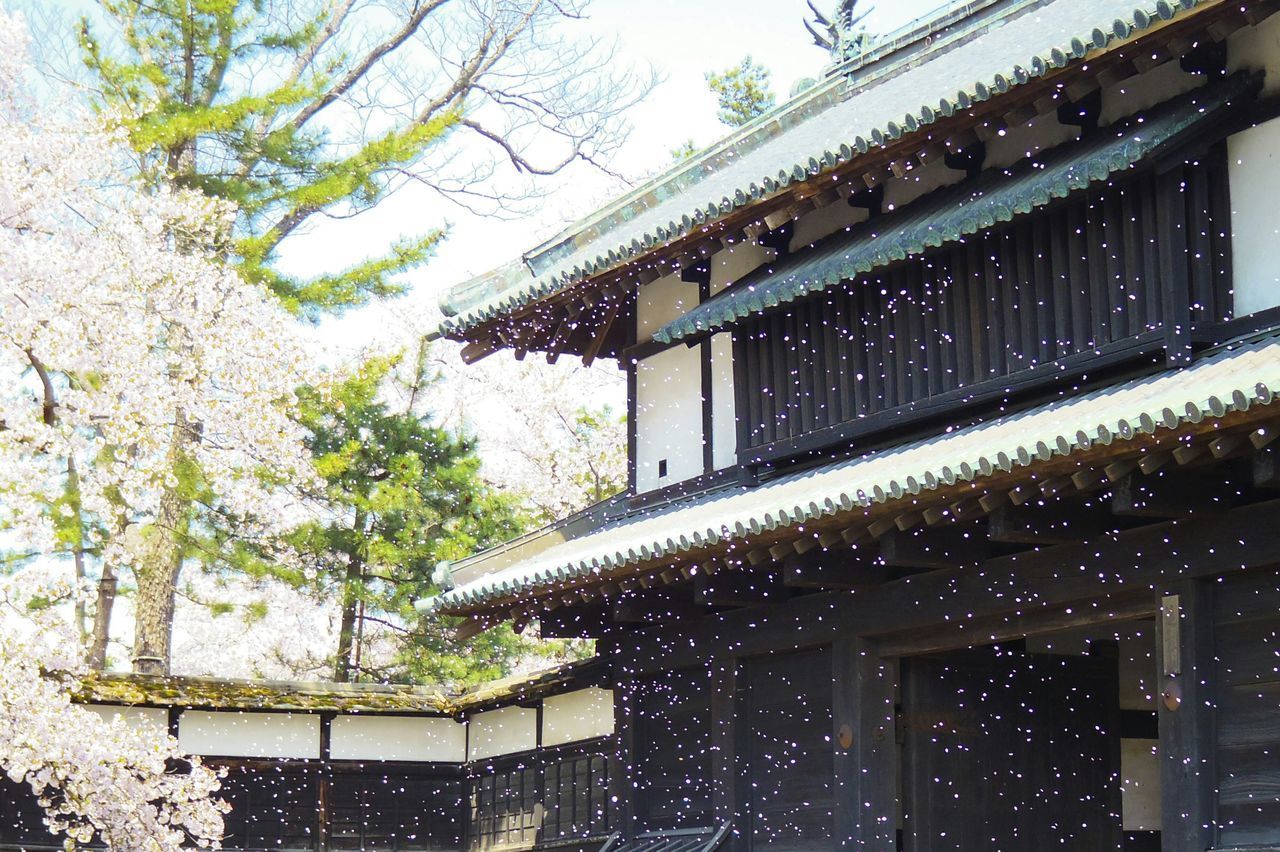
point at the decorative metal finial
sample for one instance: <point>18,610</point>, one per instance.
<point>839,32</point>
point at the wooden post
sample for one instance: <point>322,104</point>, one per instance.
<point>866,751</point>
<point>724,796</point>
<point>621,791</point>
<point>1184,644</point>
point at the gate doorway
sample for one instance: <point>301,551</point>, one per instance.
<point>1005,750</point>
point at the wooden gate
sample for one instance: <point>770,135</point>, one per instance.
<point>1005,751</point>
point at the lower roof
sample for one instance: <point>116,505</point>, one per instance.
<point>209,693</point>
<point>1233,377</point>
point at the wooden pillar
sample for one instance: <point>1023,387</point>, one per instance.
<point>866,751</point>
<point>621,789</point>
<point>724,789</point>
<point>1184,646</point>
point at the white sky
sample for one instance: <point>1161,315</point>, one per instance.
<point>682,40</point>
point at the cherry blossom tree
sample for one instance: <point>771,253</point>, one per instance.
<point>129,787</point>
<point>135,364</point>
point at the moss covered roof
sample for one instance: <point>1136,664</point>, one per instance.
<point>319,696</point>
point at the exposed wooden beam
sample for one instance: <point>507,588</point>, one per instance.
<point>591,621</point>
<point>1058,523</point>
<point>1023,583</point>
<point>1170,496</point>
<point>739,588</point>
<point>656,606</point>
<point>1266,468</point>
<point>602,333</point>
<point>934,547</point>
<point>833,569</point>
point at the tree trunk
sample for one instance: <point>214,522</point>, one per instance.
<point>160,562</point>
<point>102,619</point>
<point>350,601</point>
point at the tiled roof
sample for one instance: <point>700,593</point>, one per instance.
<point>965,64</point>
<point>968,208</point>
<point>315,696</point>
<point>1232,378</point>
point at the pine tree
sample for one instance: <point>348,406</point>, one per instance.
<point>294,111</point>
<point>401,495</point>
<point>742,92</point>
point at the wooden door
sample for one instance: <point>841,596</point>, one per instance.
<point>786,759</point>
<point>1005,751</point>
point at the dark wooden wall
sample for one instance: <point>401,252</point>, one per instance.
<point>786,756</point>
<point>1086,274</point>
<point>672,764</point>
<point>1247,673</point>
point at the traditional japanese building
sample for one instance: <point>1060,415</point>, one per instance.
<point>953,519</point>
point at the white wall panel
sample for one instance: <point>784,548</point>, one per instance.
<point>422,738</point>
<point>1253,163</point>
<point>659,302</point>
<point>581,715</point>
<point>1139,785</point>
<point>229,733</point>
<point>733,262</point>
<point>156,718</point>
<point>504,731</point>
<point>1257,48</point>
<point>668,417</point>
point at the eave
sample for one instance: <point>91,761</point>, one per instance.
<point>1220,405</point>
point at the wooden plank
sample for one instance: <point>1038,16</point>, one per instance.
<point>592,351</point>
<point>1186,749</point>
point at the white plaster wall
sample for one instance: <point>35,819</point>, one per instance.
<point>724,425</point>
<point>422,738</point>
<point>669,416</point>
<point>824,221</point>
<point>1253,165</point>
<point>504,731</point>
<point>581,715</point>
<point>661,301</point>
<point>1145,90</point>
<point>156,718</point>
<point>1257,48</point>
<point>1018,143</point>
<point>228,733</point>
<point>919,181</point>
<point>1139,785</point>
<point>733,262</point>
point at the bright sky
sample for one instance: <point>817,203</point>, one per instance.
<point>682,40</point>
